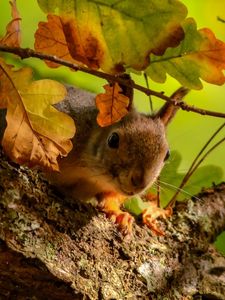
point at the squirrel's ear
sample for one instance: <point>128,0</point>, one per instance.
<point>168,111</point>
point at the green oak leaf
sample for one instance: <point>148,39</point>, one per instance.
<point>113,35</point>
<point>199,55</point>
<point>135,205</point>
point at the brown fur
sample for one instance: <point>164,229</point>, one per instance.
<point>93,167</point>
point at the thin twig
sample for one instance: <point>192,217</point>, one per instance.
<point>26,53</point>
<point>220,19</point>
<point>201,151</point>
<point>158,192</point>
<point>206,154</point>
<point>196,164</point>
<point>149,97</point>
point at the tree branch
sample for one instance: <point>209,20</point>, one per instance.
<point>26,53</point>
<point>26,278</point>
<point>84,250</point>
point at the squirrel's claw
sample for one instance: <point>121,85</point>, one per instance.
<point>124,221</point>
<point>110,204</point>
<point>150,216</point>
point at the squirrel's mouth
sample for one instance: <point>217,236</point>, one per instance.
<point>125,192</point>
<point>129,190</point>
<point>130,193</point>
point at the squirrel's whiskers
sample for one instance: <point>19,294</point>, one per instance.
<point>173,187</point>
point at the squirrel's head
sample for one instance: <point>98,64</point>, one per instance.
<point>133,151</point>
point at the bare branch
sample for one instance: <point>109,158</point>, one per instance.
<point>26,53</point>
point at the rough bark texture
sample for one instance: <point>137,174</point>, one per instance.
<point>53,248</point>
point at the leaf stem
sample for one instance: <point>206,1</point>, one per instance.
<point>26,53</point>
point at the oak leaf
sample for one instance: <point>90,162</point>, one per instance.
<point>112,105</point>
<point>50,39</point>
<point>36,133</point>
<point>113,35</point>
<point>12,37</point>
<point>199,55</point>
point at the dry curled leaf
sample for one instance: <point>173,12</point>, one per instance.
<point>13,34</point>
<point>36,133</point>
<point>50,39</point>
<point>112,105</point>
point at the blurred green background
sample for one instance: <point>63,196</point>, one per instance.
<point>189,131</point>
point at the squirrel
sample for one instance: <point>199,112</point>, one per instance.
<point>116,162</point>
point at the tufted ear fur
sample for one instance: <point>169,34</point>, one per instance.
<point>168,110</point>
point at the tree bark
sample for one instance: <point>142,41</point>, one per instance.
<point>57,248</point>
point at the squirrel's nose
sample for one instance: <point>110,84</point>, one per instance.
<point>137,179</point>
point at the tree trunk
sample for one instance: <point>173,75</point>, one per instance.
<point>56,248</point>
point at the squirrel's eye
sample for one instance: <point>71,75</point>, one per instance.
<point>113,140</point>
<point>167,155</point>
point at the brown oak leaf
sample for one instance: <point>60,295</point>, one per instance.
<point>112,105</point>
<point>36,133</point>
<point>50,39</point>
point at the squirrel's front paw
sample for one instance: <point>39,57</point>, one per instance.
<point>152,213</point>
<point>110,204</point>
<point>123,219</point>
